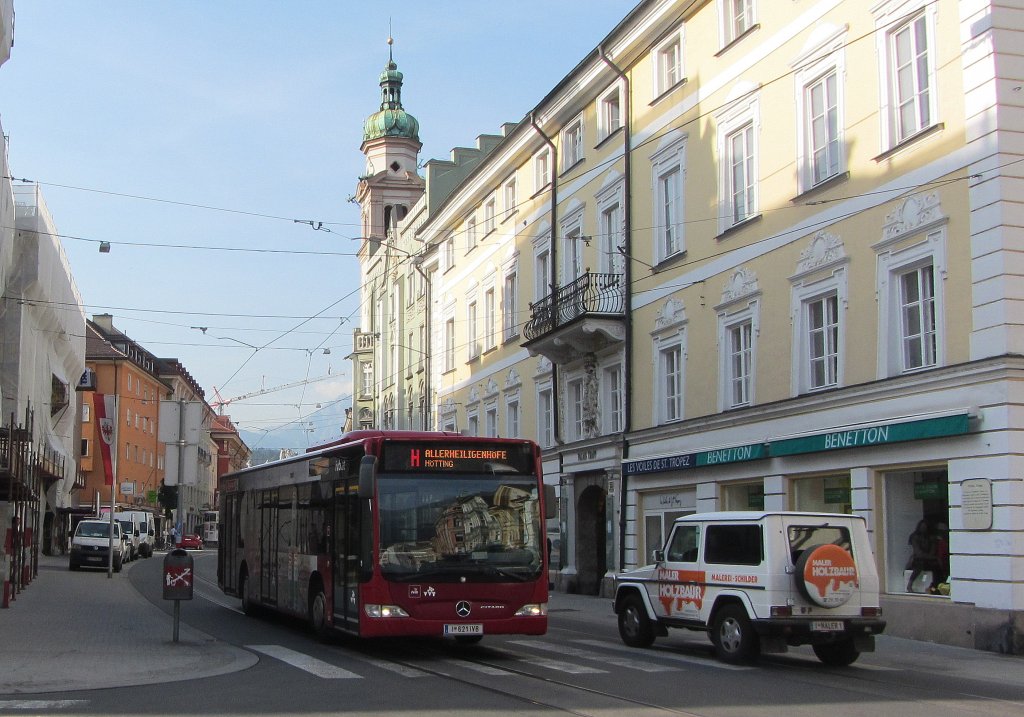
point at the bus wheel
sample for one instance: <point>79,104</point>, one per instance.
<point>318,611</point>
<point>248,606</point>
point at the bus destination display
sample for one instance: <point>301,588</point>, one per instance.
<point>459,458</point>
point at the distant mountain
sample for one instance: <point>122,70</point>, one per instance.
<point>319,427</point>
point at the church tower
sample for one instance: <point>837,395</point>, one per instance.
<point>391,142</point>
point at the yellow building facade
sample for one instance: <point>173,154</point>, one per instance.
<point>741,258</point>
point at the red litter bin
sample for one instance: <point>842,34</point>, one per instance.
<point>178,575</point>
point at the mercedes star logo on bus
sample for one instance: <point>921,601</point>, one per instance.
<point>462,608</point>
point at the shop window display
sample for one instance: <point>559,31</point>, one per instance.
<point>917,532</point>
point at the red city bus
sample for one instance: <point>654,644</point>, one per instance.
<point>393,533</point>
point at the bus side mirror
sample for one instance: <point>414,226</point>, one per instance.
<point>367,472</point>
<point>550,502</point>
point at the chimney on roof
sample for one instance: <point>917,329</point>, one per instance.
<point>104,321</point>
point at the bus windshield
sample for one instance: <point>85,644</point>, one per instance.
<point>472,527</point>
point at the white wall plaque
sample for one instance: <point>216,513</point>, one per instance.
<point>976,503</point>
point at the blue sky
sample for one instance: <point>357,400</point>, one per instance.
<point>133,116</point>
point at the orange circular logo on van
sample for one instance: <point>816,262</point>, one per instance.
<point>830,575</point>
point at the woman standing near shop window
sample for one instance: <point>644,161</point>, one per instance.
<point>924,556</point>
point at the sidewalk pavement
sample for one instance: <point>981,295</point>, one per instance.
<point>81,630</point>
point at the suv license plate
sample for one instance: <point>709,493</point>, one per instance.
<point>827,626</point>
<point>475,628</point>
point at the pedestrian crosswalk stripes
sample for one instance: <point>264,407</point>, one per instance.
<point>35,706</point>
<point>625,662</point>
<point>304,662</point>
<point>662,654</point>
<point>520,654</point>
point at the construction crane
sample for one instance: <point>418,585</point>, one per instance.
<point>221,402</point>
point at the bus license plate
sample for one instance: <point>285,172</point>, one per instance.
<point>467,628</point>
<point>827,626</point>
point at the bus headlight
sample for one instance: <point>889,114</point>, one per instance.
<point>532,610</point>
<point>385,611</point>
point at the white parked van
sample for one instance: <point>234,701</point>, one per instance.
<point>147,531</point>
<point>90,545</point>
<point>130,528</point>
<point>759,582</point>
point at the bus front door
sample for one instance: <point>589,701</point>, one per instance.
<point>346,574</point>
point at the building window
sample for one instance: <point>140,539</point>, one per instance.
<point>573,262</point>
<point>511,201</point>
<point>509,298</point>
<point>473,341</point>
<point>670,213</point>
<point>740,359</point>
<point>823,341</point>
<point>512,418</point>
<point>85,448</point>
<point>489,208</point>
<point>448,253</point>
<point>572,143</point>
<point>545,417</point>
<point>917,317</point>
<point>577,407</point>
<point>542,169</point>
<point>610,225</point>
<point>542,274</point>
<point>612,399</point>
<point>824,146</point>
<point>737,18</point>
<point>471,237</point>
<point>669,168</point>
<point>910,79</point>
<point>490,320</point>
<point>667,60</point>
<point>737,146</point>
<point>740,165</point>
<point>670,383</point>
<point>366,386</point>
<point>609,112</point>
<point>473,424</point>
<point>86,412</point>
<point>449,345</point>
<point>491,421</point>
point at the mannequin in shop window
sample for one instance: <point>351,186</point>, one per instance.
<point>924,556</point>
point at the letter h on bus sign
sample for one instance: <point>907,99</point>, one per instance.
<point>414,458</point>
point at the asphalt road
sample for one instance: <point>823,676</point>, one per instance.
<point>579,668</point>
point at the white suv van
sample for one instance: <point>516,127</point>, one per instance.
<point>759,582</point>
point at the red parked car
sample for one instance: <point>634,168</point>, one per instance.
<point>191,541</point>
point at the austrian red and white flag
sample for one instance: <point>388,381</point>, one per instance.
<point>106,413</point>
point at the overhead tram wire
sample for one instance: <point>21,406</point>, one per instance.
<point>174,202</point>
<point>323,226</point>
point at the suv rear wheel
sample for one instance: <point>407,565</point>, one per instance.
<point>837,654</point>
<point>635,627</point>
<point>733,635</point>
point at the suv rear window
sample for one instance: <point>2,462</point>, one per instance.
<point>733,545</point>
<point>802,537</point>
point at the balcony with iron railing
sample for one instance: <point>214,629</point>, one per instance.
<point>584,316</point>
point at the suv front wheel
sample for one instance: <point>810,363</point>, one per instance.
<point>733,635</point>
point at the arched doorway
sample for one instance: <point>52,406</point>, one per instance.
<point>590,540</point>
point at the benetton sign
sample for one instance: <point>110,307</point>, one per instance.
<point>852,437</point>
<point>872,435</point>
<point>733,454</point>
